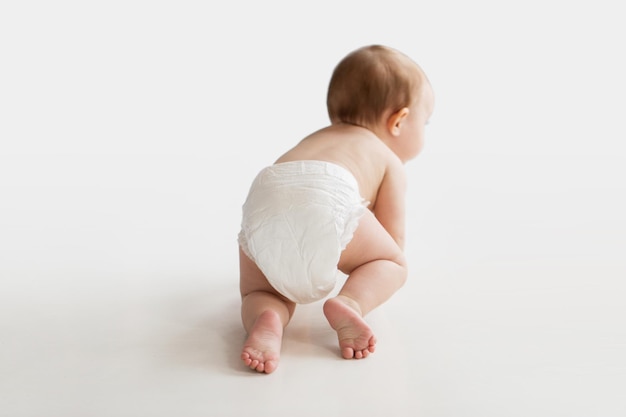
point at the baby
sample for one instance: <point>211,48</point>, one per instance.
<point>335,202</point>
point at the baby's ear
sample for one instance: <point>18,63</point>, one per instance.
<point>395,121</point>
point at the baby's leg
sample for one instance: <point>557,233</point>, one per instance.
<point>376,269</point>
<point>264,313</point>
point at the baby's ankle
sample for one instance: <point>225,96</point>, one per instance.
<point>350,302</point>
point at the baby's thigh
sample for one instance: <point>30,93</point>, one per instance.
<point>370,242</point>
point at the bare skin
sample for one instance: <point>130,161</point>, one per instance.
<point>373,260</point>
<point>356,339</point>
<point>264,313</point>
<point>261,351</point>
<point>374,272</point>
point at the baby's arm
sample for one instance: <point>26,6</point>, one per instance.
<point>390,203</point>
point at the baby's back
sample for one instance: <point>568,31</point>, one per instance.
<point>354,148</point>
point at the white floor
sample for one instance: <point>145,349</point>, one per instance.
<point>97,319</point>
<point>456,341</point>
<point>130,133</point>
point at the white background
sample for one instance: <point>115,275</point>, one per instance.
<point>129,134</point>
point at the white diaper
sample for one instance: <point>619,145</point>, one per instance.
<point>297,219</point>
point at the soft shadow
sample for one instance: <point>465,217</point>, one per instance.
<point>309,333</point>
<point>205,330</point>
<point>202,329</point>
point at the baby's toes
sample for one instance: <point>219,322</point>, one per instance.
<point>347,353</point>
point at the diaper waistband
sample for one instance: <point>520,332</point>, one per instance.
<point>311,167</point>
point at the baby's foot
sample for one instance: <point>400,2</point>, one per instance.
<point>356,339</point>
<point>261,351</point>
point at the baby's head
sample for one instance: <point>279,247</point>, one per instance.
<point>370,82</point>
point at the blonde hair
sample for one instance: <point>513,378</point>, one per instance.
<point>369,82</point>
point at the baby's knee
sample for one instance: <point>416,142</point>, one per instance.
<point>396,268</point>
<point>403,268</point>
